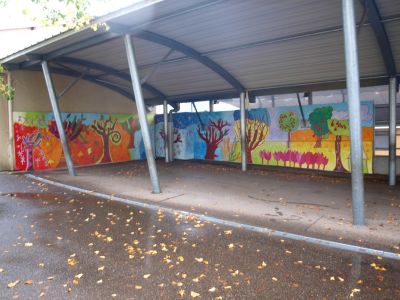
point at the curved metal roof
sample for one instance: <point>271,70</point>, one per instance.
<point>213,49</point>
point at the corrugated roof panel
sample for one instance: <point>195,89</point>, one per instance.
<point>113,53</point>
<point>299,61</point>
<point>186,77</point>
<point>388,7</point>
<point>236,22</point>
<point>393,31</point>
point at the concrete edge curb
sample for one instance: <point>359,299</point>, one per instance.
<point>263,230</point>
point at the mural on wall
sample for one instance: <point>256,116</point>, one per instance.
<point>275,136</point>
<point>93,139</point>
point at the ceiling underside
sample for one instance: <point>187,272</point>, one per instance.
<point>213,49</point>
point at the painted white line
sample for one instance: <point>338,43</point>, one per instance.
<point>234,224</point>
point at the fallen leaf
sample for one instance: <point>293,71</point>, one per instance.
<point>28,244</point>
<point>354,291</point>
<point>200,259</point>
<point>194,294</point>
<point>13,284</point>
<point>146,276</point>
<point>212,290</point>
<point>29,282</point>
<point>71,262</point>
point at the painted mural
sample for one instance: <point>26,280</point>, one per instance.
<point>92,138</point>
<point>277,136</point>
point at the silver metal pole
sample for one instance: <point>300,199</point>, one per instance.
<point>243,131</point>
<point>57,117</point>
<point>170,137</point>
<point>392,131</point>
<point>353,92</point>
<point>211,105</point>
<point>137,89</point>
<point>10,128</point>
<point>166,148</point>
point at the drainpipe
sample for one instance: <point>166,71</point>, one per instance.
<point>10,128</point>
<point>177,107</point>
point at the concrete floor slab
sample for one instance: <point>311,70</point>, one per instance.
<point>302,203</point>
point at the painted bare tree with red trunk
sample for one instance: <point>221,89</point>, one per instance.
<point>213,136</point>
<point>106,129</point>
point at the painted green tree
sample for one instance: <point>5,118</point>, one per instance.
<point>339,128</point>
<point>319,123</point>
<point>288,122</point>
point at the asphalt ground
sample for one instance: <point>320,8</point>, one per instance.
<point>56,244</point>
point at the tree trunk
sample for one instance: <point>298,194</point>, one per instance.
<point>106,156</point>
<point>29,159</point>
<point>339,165</point>
<point>288,140</point>
<point>249,159</point>
<point>210,153</point>
<point>131,140</point>
<point>318,142</point>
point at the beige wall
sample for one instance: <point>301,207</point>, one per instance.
<point>31,95</point>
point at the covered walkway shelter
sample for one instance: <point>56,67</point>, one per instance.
<point>172,51</point>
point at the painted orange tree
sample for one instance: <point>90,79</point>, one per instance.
<point>288,122</point>
<point>106,129</point>
<point>213,136</point>
<point>338,128</point>
<point>319,118</point>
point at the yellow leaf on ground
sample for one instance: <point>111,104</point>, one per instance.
<point>194,294</point>
<point>13,284</point>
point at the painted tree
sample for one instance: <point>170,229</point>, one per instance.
<point>106,129</point>
<point>319,123</point>
<point>257,130</point>
<point>131,126</point>
<point>213,136</point>
<point>338,128</point>
<point>72,128</point>
<point>30,141</point>
<point>177,135</point>
<point>288,122</point>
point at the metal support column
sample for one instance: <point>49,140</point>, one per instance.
<point>57,117</point>
<point>353,92</point>
<point>10,128</point>
<point>137,89</point>
<point>166,133</point>
<point>243,130</point>
<point>170,136</point>
<point>211,105</point>
<point>392,131</point>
